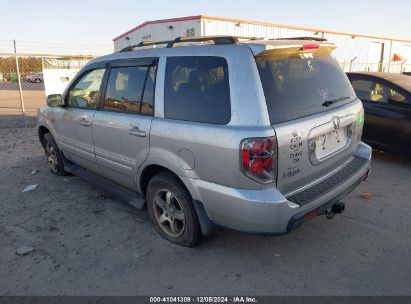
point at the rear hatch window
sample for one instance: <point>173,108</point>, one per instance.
<point>298,84</point>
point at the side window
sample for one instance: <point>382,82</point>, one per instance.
<point>368,90</point>
<point>148,96</point>
<point>374,91</point>
<point>125,90</point>
<point>394,96</point>
<point>197,89</point>
<point>85,93</point>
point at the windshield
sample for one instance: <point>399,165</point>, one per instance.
<point>302,85</point>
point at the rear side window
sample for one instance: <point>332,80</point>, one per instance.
<point>197,89</point>
<point>130,89</point>
<point>298,86</point>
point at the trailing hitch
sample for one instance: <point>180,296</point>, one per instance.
<point>337,208</point>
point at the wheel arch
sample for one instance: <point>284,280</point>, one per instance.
<point>44,126</point>
<point>207,227</point>
<point>41,131</point>
<point>152,170</point>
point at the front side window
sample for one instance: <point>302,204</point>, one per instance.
<point>197,89</point>
<point>85,93</point>
<point>127,89</point>
<point>372,90</point>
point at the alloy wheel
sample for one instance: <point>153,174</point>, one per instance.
<point>51,156</point>
<point>168,213</point>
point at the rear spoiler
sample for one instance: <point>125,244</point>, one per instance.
<point>294,50</point>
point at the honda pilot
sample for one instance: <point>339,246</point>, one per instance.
<point>253,135</point>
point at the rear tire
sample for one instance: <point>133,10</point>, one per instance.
<point>172,211</point>
<point>53,155</point>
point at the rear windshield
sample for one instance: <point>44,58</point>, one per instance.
<point>302,85</point>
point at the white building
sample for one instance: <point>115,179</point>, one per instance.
<point>355,51</point>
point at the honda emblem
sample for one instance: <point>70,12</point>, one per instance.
<point>336,122</point>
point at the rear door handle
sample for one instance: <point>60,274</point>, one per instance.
<point>135,131</point>
<point>84,122</point>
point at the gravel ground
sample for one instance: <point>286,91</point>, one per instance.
<point>86,242</point>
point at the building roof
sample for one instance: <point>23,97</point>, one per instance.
<point>198,17</point>
<point>401,80</point>
<point>201,17</point>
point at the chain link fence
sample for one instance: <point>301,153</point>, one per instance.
<point>22,88</point>
<point>21,76</point>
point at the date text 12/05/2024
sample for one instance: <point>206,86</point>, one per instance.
<point>200,299</point>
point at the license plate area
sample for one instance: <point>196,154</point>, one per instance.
<point>331,138</point>
<point>329,143</point>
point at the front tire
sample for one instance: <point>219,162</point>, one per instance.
<point>53,155</point>
<point>171,209</point>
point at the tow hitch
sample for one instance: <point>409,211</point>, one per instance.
<point>330,210</point>
<point>337,208</point>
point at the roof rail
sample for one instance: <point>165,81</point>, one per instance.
<point>215,39</point>
<point>171,43</point>
<point>143,43</point>
<point>301,38</point>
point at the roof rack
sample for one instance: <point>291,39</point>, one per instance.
<point>144,43</point>
<point>171,43</point>
<point>301,38</point>
<point>215,39</point>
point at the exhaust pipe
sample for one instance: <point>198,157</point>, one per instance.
<point>337,208</point>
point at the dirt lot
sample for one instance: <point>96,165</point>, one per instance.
<point>88,243</point>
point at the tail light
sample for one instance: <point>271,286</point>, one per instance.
<point>259,159</point>
<point>311,213</point>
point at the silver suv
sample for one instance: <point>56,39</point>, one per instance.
<point>253,135</point>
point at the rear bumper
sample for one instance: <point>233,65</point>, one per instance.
<point>268,211</point>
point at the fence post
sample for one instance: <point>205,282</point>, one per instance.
<point>402,65</point>
<point>389,58</point>
<point>23,111</point>
<point>352,60</point>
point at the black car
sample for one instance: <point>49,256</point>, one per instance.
<point>387,104</point>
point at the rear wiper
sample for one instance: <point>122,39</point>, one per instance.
<point>328,103</point>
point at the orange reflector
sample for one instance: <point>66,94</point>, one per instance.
<point>311,213</point>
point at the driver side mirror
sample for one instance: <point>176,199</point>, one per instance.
<point>54,100</point>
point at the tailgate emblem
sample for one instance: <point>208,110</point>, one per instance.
<point>336,122</point>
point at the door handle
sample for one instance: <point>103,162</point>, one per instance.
<point>135,131</point>
<point>84,122</point>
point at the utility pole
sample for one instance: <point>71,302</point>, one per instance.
<point>23,111</point>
